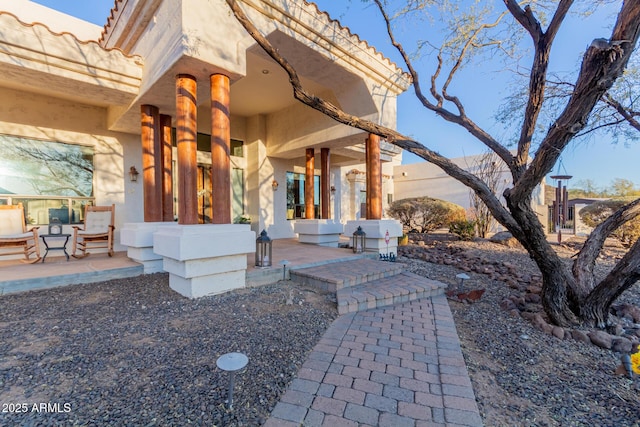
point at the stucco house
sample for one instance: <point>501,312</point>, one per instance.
<point>425,179</point>
<point>178,93</point>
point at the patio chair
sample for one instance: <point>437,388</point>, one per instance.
<point>14,234</point>
<point>96,232</point>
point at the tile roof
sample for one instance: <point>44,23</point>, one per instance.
<point>68,34</point>
<point>115,10</point>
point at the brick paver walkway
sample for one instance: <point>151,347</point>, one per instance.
<point>392,366</point>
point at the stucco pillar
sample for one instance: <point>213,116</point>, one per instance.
<point>309,207</point>
<point>151,162</point>
<point>374,177</point>
<point>325,183</point>
<point>220,149</point>
<point>186,134</point>
<point>167,165</point>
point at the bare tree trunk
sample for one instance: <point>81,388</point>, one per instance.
<point>603,62</point>
<point>595,309</point>
<point>558,298</point>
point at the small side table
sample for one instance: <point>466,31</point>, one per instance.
<point>60,247</point>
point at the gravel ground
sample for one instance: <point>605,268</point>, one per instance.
<point>525,377</point>
<point>133,352</point>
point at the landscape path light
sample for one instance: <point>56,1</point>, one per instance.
<point>231,362</point>
<point>462,277</point>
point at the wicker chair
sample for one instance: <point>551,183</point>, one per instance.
<point>14,234</point>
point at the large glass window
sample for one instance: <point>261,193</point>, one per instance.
<point>295,195</point>
<point>50,179</point>
<point>35,168</point>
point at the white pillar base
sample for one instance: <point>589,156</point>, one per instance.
<point>138,238</point>
<point>321,232</point>
<point>378,232</point>
<point>205,259</point>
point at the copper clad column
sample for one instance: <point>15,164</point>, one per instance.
<point>309,207</point>
<point>151,163</point>
<point>186,134</point>
<point>167,165</point>
<point>220,149</point>
<point>325,183</point>
<point>374,177</point>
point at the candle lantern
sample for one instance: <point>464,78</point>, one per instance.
<point>263,250</point>
<point>359,240</point>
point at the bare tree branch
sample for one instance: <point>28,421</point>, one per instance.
<point>479,187</point>
<point>460,119</point>
<point>537,79</point>
<point>603,63</point>
<point>624,275</point>
<point>585,261</point>
<point>629,116</point>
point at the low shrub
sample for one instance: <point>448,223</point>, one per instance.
<point>465,229</point>
<point>425,214</point>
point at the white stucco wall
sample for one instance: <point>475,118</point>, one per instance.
<point>34,116</point>
<point>425,179</point>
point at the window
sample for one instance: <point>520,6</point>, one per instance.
<point>203,143</point>
<point>295,195</point>
<point>50,179</point>
<point>237,148</point>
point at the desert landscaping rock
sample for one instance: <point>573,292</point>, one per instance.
<point>521,375</point>
<point>133,352</point>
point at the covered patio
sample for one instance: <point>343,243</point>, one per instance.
<point>57,271</point>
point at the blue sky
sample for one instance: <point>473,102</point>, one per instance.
<point>480,90</point>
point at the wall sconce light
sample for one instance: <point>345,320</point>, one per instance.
<point>274,185</point>
<point>333,189</point>
<point>133,174</point>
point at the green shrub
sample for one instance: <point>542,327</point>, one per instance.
<point>466,229</point>
<point>242,219</point>
<point>425,214</point>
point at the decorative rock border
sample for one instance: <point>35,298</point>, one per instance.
<point>623,336</point>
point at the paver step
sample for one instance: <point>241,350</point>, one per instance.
<point>339,275</point>
<point>399,288</point>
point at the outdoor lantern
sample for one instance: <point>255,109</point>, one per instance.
<point>133,174</point>
<point>263,250</point>
<point>359,241</point>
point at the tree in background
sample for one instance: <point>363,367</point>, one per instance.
<point>487,168</point>
<point>568,295</point>
<point>623,188</point>
<point>584,188</point>
<point>619,187</point>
